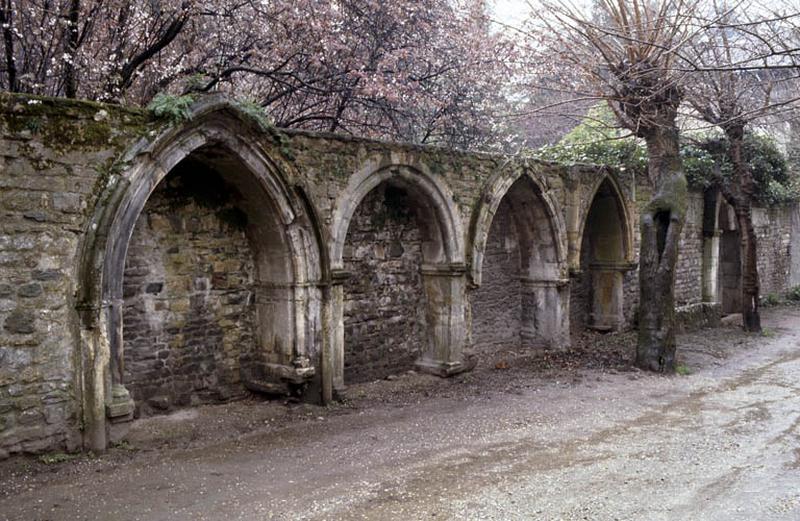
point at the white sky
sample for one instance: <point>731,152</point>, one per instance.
<point>511,12</point>
<point>514,12</point>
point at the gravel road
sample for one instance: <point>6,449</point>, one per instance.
<point>558,442</point>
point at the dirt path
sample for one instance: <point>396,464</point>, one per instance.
<point>720,444</point>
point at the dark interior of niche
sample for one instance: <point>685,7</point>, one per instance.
<point>195,181</point>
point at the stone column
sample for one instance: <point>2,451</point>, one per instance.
<point>307,310</point>
<point>607,297</point>
<point>446,295</point>
<point>335,348</point>
<point>119,404</point>
<point>95,354</point>
<point>284,328</point>
<point>711,267</point>
<point>545,317</point>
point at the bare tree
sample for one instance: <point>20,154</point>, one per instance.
<point>628,52</point>
<point>744,64</point>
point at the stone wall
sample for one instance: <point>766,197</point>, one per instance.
<point>689,271</point>
<point>53,155</point>
<point>775,229</point>
<point>188,294</point>
<point>497,304</point>
<point>76,177</point>
<point>774,233</point>
<point>385,327</point>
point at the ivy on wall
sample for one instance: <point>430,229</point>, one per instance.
<point>706,163</point>
<point>597,140</point>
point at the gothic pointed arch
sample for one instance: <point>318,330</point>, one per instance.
<point>281,262</point>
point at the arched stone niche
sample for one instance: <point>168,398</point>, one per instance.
<point>278,274</point>
<point>424,201</point>
<point>722,271</point>
<point>604,255</point>
<point>730,264</point>
<point>518,266</point>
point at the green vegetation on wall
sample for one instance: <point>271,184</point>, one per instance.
<point>706,163</point>
<point>173,108</point>
<point>598,141</point>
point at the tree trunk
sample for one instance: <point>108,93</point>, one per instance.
<point>8,43</point>
<point>70,79</point>
<point>661,225</point>
<point>740,195</point>
<point>751,318</point>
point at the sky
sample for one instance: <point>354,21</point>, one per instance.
<point>510,12</point>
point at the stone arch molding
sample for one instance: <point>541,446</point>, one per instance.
<point>543,283</point>
<point>214,122</point>
<point>443,270</point>
<point>418,179</point>
<point>624,215</point>
<point>496,188</point>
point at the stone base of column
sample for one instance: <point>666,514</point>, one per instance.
<point>119,413</point>
<point>446,369</point>
<point>339,394</point>
<point>604,323</point>
<point>280,379</point>
<point>121,407</point>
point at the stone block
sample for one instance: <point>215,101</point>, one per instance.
<point>31,290</point>
<point>55,414</point>
<point>30,417</point>
<point>37,216</point>
<point>154,288</point>
<point>7,421</point>
<point>67,202</point>
<point>160,402</point>
<point>28,402</point>
<point>20,322</point>
<point>46,275</point>
<point>38,445</point>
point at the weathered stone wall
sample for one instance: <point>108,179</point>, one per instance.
<point>53,156</point>
<point>74,174</point>
<point>775,228</point>
<point>497,304</point>
<point>384,317</point>
<point>580,296</point>
<point>188,294</point>
<point>774,235</point>
<point>689,271</point>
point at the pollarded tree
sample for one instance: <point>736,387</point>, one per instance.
<point>628,53</point>
<point>745,72</point>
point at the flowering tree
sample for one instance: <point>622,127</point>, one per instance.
<point>91,48</point>
<point>410,70</point>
